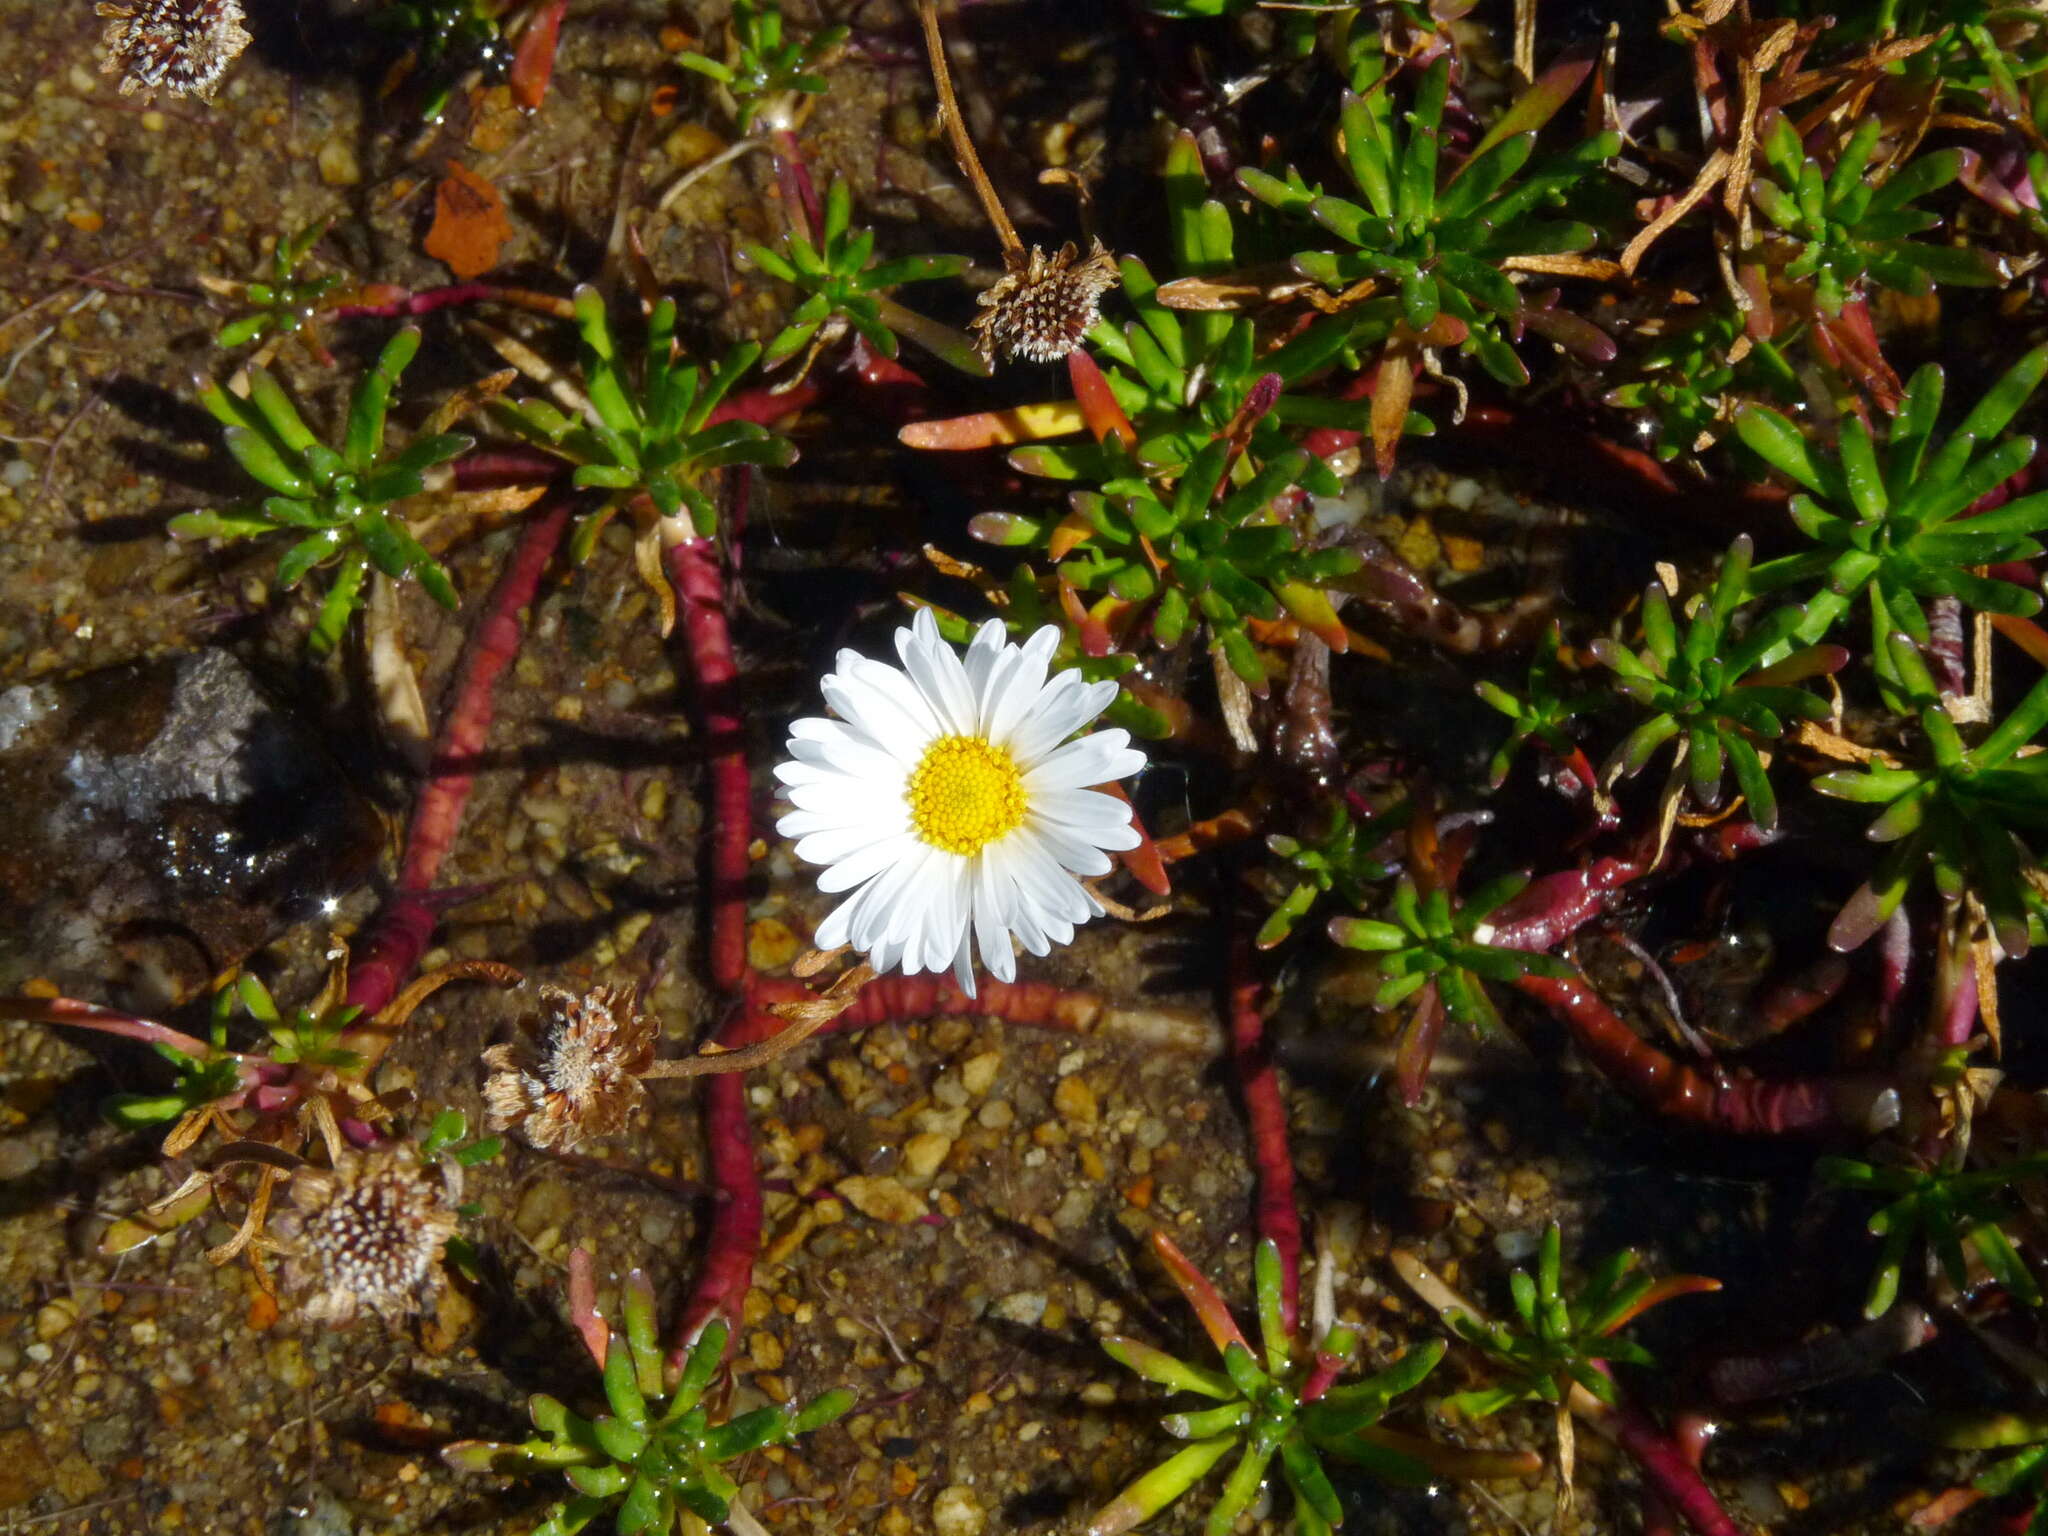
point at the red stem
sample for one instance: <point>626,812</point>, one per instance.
<point>898,999</point>
<point>1670,1473</point>
<point>382,962</point>
<point>693,570</point>
<point>1259,1083</point>
<point>1737,1102</point>
<point>424,302</point>
<point>400,932</point>
<point>1550,910</point>
<point>735,1230</point>
<point>799,193</point>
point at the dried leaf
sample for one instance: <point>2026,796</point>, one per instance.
<point>392,681</point>
<point>469,223</point>
<point>466,399</point>
<point>1393,388</point>
<point>1711,174</point>
<point>1811,734</point>
<point>1597,268</point>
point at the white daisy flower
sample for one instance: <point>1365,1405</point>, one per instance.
<point>948,799</point>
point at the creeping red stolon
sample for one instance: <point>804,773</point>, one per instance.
<point>1735,1101</point>
<point>1266,1112</point>
<point>693,570</point>
<point>397,936</point>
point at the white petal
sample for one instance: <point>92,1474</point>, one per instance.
<point>807,775</point>
<point>1047,901</point>
<point>832,932</point>
<point>1100,758</point>
<point>1075,852</point>
<point>888,906</point>
<point>985,656</point>
<point>935,669</point>
<point>885,957</point>
<point>963,965</point>
<point>952,884</point>
<point>858,866</point>
<point>1007,705</point>
<point>1067,704</point>
<point>1056,894</point>
<point>830,844</point>
<point>1103,819</point>
<point>858,822</point>
<point>920,902</point>
<point>1013,909</point>
<point>886,707</point>
<point>848,754</point>
<point>839,796</point>
<point>790,772</point>
<point>992,896</point>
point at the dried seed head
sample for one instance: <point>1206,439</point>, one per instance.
<point>1042,306</point>
<point>182,46</point>
<point>368,1234</point>
<point>574,1071</point>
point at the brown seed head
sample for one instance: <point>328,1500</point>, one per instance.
<point>574,1071</point>
<point>182,46</point>
<point>368,1234</point>
<point>1041,308</point>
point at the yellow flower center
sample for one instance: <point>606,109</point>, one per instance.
<point>964,794</point>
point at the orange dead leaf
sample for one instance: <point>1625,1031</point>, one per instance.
<point>1073,529</point>
<point>1393,388</point>
<point>469,223</point>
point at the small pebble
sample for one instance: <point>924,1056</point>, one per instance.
<point>978,1073</point>
<point>957,1512</point>
<point>923,1154</point>
<point>997,1115</point>
<point>55,1318</point>
<point>1025,1307</point>
<point>1516,1246</point>
<point>337,159</point>
<point>1075,1101</point>
<point>883,1199</point>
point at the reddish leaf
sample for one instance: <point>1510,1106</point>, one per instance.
<point>1092,632</point>
<point>1417,1046</point>
<point>994,429</point>
<point>1535,106</point>
<point>1664,1290</point>
<point>1069,531</point>
<point>2024,633</point>
<point>1144,861</point>
<point>1942,1508</point>
<point>1098,404</point>
<point>1848,342</point>
<point>1201,1296</point>
<point>534,65</point>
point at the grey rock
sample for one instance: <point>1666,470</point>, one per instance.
<point>162,820</point>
